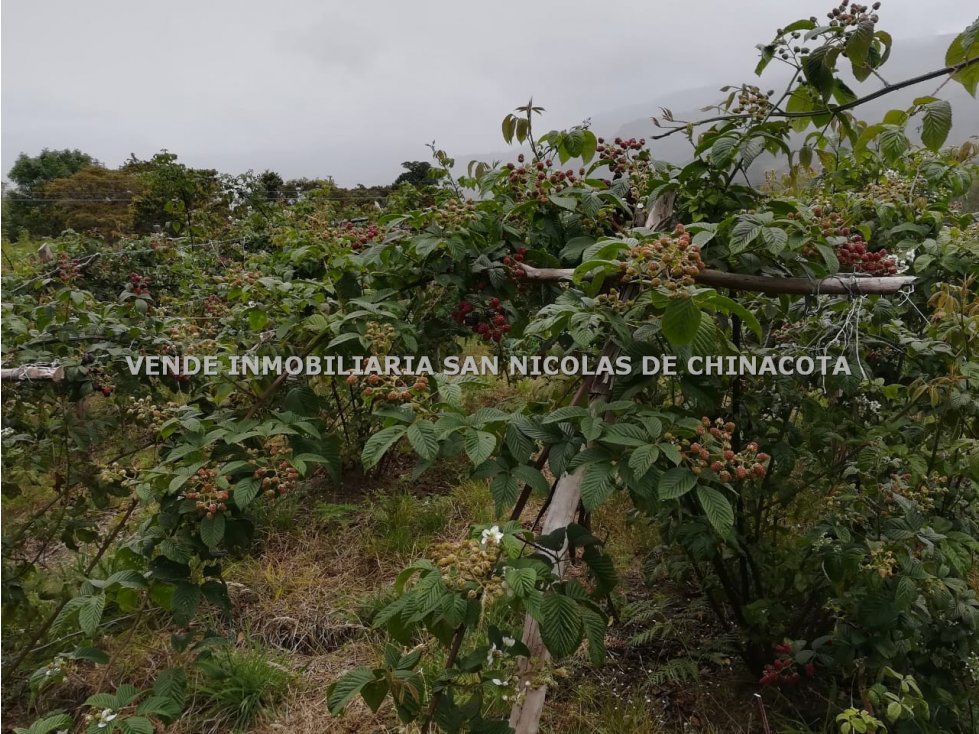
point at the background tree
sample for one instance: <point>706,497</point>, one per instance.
<point>22,211</point>
<point>416,173</point>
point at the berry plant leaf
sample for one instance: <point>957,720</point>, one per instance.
<point>676,482</point>
<point>681,321</point>
<point>479,445</point>
<point>716,507</point>
<point>212,530</point>
<point>421,436</point>
<point>340,692</point>
<point>378,444</point>
<point>936,124</point>
<point>560,624</point>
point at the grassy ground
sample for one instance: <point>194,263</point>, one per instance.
<point>324,564</point>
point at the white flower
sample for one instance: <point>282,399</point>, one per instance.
<point>492,536</point>
<point>491,654</point>
<point>498,682</point>
<point>7,432</point>
<point>509,641</point>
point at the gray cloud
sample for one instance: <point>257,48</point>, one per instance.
<point>351,89</point>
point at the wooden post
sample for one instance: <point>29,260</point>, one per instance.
<point>841,284</point>
<point>28,372</point>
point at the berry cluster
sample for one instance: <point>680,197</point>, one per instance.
<point>467,565</point>
<point>488,322</point>
<point>670,261</point>
<point>144,412</point>
<point>138,285</point>
<point>100,381</point>
<point>453,213</point>
<point>855,254</point>
<point>68,270</point>
<point>613,301</point>
<point>213,305</point>
<point>115,473</point>
<point>278,480</point>
<point>392,388</point>
<point>753,102</point>
<point>239,278</point>
<point>852,15</point>
<point>784,669</point>
<point>208,491</point>
<point>536,181</point>
<point>714,452</point>
<point>618,153</point>
<point>924,495</point>
<point>361,237</point>
<point>380,336</point>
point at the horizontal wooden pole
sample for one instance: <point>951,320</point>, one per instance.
<point>29,372</point>
<point>834,285</point>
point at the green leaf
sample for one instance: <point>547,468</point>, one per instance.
<point>533,477</point>
<point>90,613</point>
<point>936,123</point>
<point>723,150</point>
<point>560,624</point>
<point>681,321</point>
<point>642,460</point>
<point>858,48</point>
<point>594,625</point>
<point>719,512</point>
<point>185,601</point>
<point>246,491</point>
<point>596,485</point>
<point>743,234</point>
<point>521,581</point>
<point>566,413</point>
<point>775,239</point>
<point>137,725</point>
<point>676,482</point>
<point>479,445</point>
<point>624,434</point>
<point>818,67</point>
<point>421,436</point>
<point>339,693</point>
<point>212,530</point>
<point>965,47</point>
<point>504,490</point>
<point>378,444</point>
<point>893,143</point>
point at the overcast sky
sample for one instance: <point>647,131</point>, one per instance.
<point>351,89</point>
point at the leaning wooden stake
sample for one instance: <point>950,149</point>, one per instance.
<point>834,285</point>
<point>526,712</point>
<point>29,372</point>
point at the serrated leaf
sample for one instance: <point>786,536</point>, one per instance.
<point>379,443</point>
<point>479,445</point>
<point>560,624</point>
<point>521,581</point>
<point>531,476</point>
<point>212,530</point>
<point>642,460</point>
<point>246,491</point>
<point>596,485</point>
<point>185,601</point>
<point>716,507</point>
<point>421,436</point>
<point>137,725</point>
<point>743,234</point>
<point>681,321</point>
<point>624,434</point>
<point>565,413</point>
<point>340,692</point>
<point>504,489</point>
<point>936,124</point>
<point>676,482</point>
<point>90,613</point>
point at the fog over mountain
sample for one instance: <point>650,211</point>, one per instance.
<point>910,58</point>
